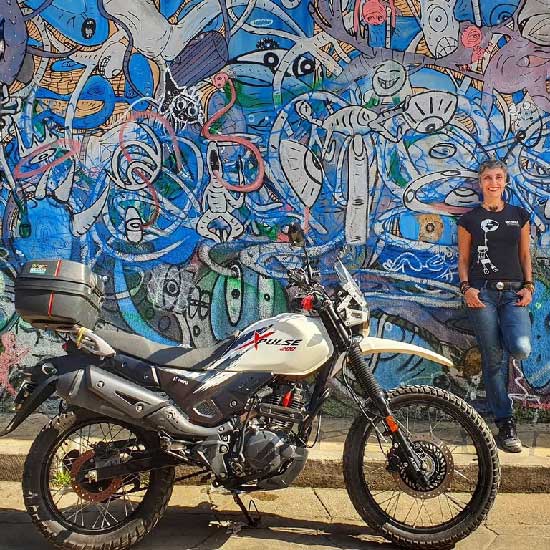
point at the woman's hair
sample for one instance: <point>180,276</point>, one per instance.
<point>491,165</point>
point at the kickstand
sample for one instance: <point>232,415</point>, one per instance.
<point>252,521</point>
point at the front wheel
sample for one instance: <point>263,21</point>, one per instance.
<point>460,459</point>
<point>74,511</point>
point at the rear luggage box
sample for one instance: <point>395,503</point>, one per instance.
<point>57,294</point>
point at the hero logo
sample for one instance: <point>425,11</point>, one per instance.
<point>288,344</point>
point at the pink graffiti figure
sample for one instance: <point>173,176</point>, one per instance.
<point>219,80</point>
<point>471,38</point>
<point>372,12</point>
<point>10,357</point>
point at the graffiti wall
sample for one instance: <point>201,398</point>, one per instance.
<point>169,144</point>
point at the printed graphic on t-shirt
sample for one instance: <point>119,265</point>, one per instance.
<point>496,237</point>
<point>487,226</point>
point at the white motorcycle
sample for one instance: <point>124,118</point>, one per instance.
<point>420,465</point>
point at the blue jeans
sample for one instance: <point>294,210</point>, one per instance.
<point>502,329</point>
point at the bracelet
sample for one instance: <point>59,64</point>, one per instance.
<point>464,286</point>
<point>529,285</point>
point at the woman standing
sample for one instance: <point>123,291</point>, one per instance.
<point>494,267</point>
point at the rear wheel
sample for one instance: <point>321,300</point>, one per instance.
<point>459,457</point>
<point>74,511</point>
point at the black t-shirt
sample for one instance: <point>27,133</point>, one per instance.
<point>495,243</point>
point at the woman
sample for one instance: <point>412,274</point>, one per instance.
<point>494,267</point>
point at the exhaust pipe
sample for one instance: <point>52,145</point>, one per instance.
<point>107,394</point>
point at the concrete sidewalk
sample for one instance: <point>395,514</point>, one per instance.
<point>292,519</point>
<point>526,472</point>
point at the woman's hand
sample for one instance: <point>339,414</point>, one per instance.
<point>524,297</point>
<point>471,297</point>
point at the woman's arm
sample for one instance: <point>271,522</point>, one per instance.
<point>471,296</point>
<point>524,252</point>
<point>464,251</point>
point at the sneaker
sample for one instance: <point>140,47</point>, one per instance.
<point>507,437</point>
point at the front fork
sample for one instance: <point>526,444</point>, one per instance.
<point>401,444</point>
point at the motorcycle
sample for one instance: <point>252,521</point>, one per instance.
<point>420,465</point>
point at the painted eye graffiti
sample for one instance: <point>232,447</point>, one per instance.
<point>303,170</point>
<point>171,287</point>
<point>428,112</point>
<point>199,303</point>
<point>43,156</point>
<point>430,227</point>
<point>303,66</point>
<point>271,60</point>
<point>314,167</point>
<point>438,19</point>
<point>89,28</point>
<point>234,290</point>
<point>442,151</point>
<point>133,225</point>
<point>266,297</point>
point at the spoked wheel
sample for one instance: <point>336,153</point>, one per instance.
<point>459,458</point>
<point>66,501</point>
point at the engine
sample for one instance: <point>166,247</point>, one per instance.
<point>271,450</point>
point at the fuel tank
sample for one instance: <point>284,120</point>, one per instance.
<point>289,344</point>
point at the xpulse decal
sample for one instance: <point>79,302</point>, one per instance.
<point>239,347</point>
<point>244,339</point>
<point>288,344</point>
<point>256,339</point>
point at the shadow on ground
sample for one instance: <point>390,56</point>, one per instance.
<point>204,528</point>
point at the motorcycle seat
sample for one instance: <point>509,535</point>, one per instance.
<point>162,354</point>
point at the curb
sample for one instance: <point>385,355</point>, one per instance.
<point>327,473</point>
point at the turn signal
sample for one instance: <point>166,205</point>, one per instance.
<point>308,302</point>
<point>392,424</point>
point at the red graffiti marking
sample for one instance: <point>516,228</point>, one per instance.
<point>471,38</point>
<point>10,357</point>
<point>164,122</point>
<point>306,219</point>
<point>220,80</point>
<point>372,12</point>
<point>73,150</point>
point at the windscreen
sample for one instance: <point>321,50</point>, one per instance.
<point>348,283</point>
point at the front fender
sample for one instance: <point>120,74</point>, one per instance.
<point>371,345</point>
